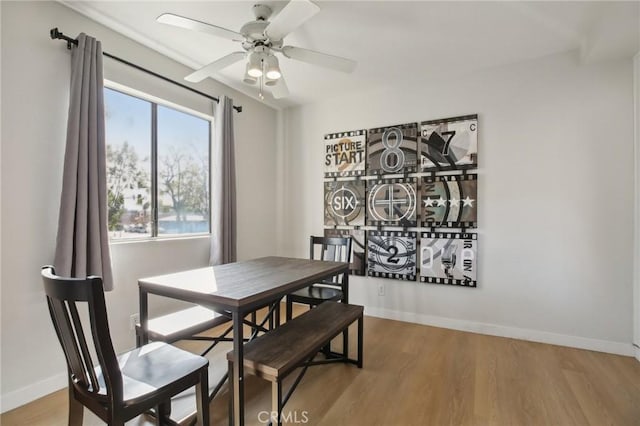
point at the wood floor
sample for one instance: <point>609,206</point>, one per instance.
<point>420,375</point>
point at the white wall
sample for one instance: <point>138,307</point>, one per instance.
<point>35,79</point>
<point>555,198</point>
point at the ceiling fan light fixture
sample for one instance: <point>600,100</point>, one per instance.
<point>254,67</point>
<point>248,78</point>
<point>272,68</point>
<point>261,39</point>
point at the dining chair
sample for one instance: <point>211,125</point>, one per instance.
<point>336,249</point>
<point>116,388</point>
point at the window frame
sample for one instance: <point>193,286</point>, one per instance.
<point>153,155</point>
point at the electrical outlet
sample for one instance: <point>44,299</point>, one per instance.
<point>133,320</point>
<point>381,289</point>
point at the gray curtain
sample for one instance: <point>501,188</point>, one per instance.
<point>223,186</point>
<point>82,245</point>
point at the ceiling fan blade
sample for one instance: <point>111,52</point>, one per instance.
<point>214,66</point>
<point>280,90</point>
<point>322,59</point>
<point>294,14</point>
<point>203,27</point>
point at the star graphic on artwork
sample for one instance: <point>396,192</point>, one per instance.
<point>467,202</point>
<point>428,202</point>
<point>454,202</point>
<point>441,201</point>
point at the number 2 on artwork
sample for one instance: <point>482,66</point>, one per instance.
<point>394,253</point>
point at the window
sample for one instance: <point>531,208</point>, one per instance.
<point>157,168</point>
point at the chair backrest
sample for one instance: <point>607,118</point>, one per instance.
<point>337,249</point>
<point>64,297</point>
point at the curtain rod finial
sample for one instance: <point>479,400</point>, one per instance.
<point>54,33</point>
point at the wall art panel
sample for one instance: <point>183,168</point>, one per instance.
<point>449,201</point>
<point>449,258</point>
<point>344,203</point>
<point>391,202</point>
<point>391,254</point>
<point>344,153</point>
<point>449,144</point>
<point>392,149</point>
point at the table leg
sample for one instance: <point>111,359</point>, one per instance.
<point>272,311</point>
<point>345,299</point>
<point>143,339</point>
<point>277,313</point>
<point>345,287</point>
<point>254,319</point>
<point>237,375</point>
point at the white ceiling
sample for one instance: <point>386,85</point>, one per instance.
<point>391,40</point>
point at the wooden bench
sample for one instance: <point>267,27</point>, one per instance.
<point>273,355</point>
<point>182,325</point>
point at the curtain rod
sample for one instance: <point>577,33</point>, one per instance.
<point>55,34</point>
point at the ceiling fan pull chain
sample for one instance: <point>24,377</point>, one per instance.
<point>260,95</point>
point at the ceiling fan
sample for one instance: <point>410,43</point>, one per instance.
<point>261,39</point>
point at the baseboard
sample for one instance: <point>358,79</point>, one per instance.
<point>637,352</point>
<point>618,348</point>
<point>24,395</point>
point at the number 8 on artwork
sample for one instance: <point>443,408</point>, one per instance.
<point>392,151</point>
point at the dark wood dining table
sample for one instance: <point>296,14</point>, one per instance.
<point>239,289</point>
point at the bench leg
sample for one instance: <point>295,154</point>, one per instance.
<point>360,341</point>
<point>345,342</point>
<point>276,403</point>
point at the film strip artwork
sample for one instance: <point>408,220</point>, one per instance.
<point>407,195</point>
<point>344,203</point>
<point>358,247</point>
<point>449,144</point>
<point>344,153</point>
<point>392,149</point>
<point>391,202</point>
<point>449,201</point>
<point>449,258</point>
<point>391,254</point>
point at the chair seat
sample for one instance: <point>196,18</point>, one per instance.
<point>152,367</point>
<point>316,294</point>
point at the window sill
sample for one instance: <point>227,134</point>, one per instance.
<point>158,239</point>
